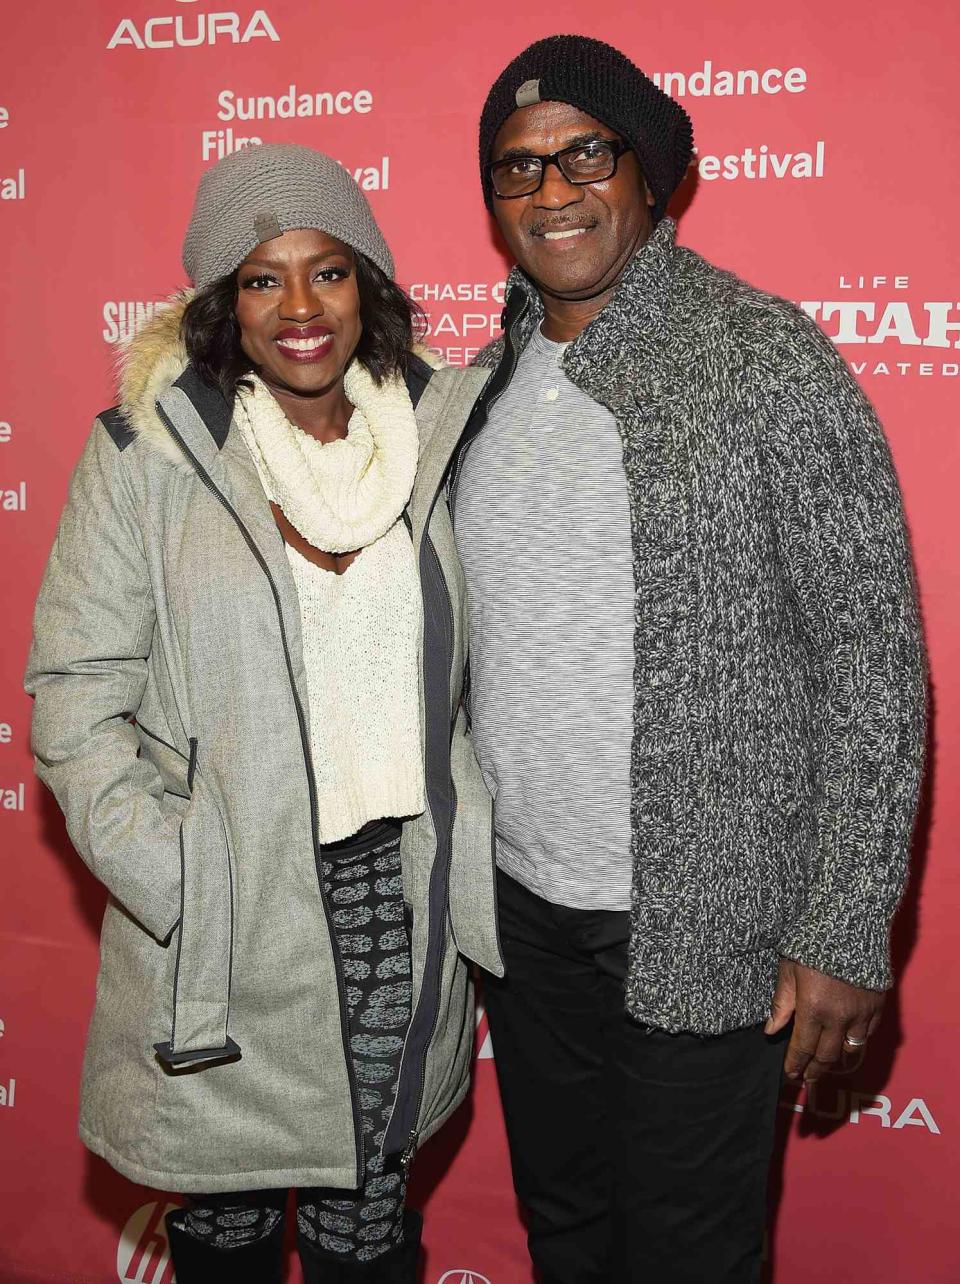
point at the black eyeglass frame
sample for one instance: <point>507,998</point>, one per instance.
<point>617,147</point>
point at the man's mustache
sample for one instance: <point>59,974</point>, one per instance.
<point>555,224</point>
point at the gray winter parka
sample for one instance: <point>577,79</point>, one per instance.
<point>171,722</point>
<point>779,677</point>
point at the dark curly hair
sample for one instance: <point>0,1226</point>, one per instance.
<point>390,323</point>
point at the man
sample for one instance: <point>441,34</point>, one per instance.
<point>697,690</point>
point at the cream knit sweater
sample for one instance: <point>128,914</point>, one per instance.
<point>360,629</point>
<point>360,640</point>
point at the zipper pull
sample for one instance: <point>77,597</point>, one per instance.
<point>406,1159</point>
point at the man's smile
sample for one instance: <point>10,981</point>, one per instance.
<point>561,232</point>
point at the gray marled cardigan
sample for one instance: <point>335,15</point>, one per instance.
<point>780,679</point>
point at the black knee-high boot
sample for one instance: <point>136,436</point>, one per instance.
<point>198,1263</point>
<point>399,1266</point>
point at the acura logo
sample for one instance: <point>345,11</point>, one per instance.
<point>462,1277</point>
<point>203,29</point>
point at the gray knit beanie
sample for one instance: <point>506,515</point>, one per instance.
<point>267,189</point>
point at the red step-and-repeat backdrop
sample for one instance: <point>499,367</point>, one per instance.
<point>827,172</point>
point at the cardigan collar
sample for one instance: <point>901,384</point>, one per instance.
<point>621,355</point>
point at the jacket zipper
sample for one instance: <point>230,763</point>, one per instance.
<point>308,763</point>
<point>437,890</point>
<point>409,1152</point>
<point>448,622</point>
<point>410,1149</point>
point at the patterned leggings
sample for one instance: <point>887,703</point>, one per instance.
<point>364,887</point>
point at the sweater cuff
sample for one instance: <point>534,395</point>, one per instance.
<point>852,945</point>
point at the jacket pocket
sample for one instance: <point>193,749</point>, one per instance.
<point>473,889</point>
<point>201,998</point>
<point>172,765</point>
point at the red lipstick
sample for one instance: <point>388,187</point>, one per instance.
<point>304,343</point>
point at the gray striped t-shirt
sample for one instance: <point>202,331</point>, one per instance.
<point>543,530</point>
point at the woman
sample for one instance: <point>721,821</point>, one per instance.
<point>247,666</point>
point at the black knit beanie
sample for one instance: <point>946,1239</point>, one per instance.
<point>603,82</point>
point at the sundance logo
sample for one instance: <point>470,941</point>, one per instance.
<point>144,1253</point>
<point>123,318</point>
<point>191,29</point>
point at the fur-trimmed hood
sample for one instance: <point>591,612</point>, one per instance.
<point>152,361</point>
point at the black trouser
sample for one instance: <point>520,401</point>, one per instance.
<point>638,1155</point>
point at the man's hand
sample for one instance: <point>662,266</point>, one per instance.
<point>831,1017</point>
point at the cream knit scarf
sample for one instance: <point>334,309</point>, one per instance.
<point>344,494</point>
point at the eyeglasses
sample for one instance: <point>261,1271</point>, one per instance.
<point>583,163</point>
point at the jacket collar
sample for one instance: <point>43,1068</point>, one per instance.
<point>209,403</point>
